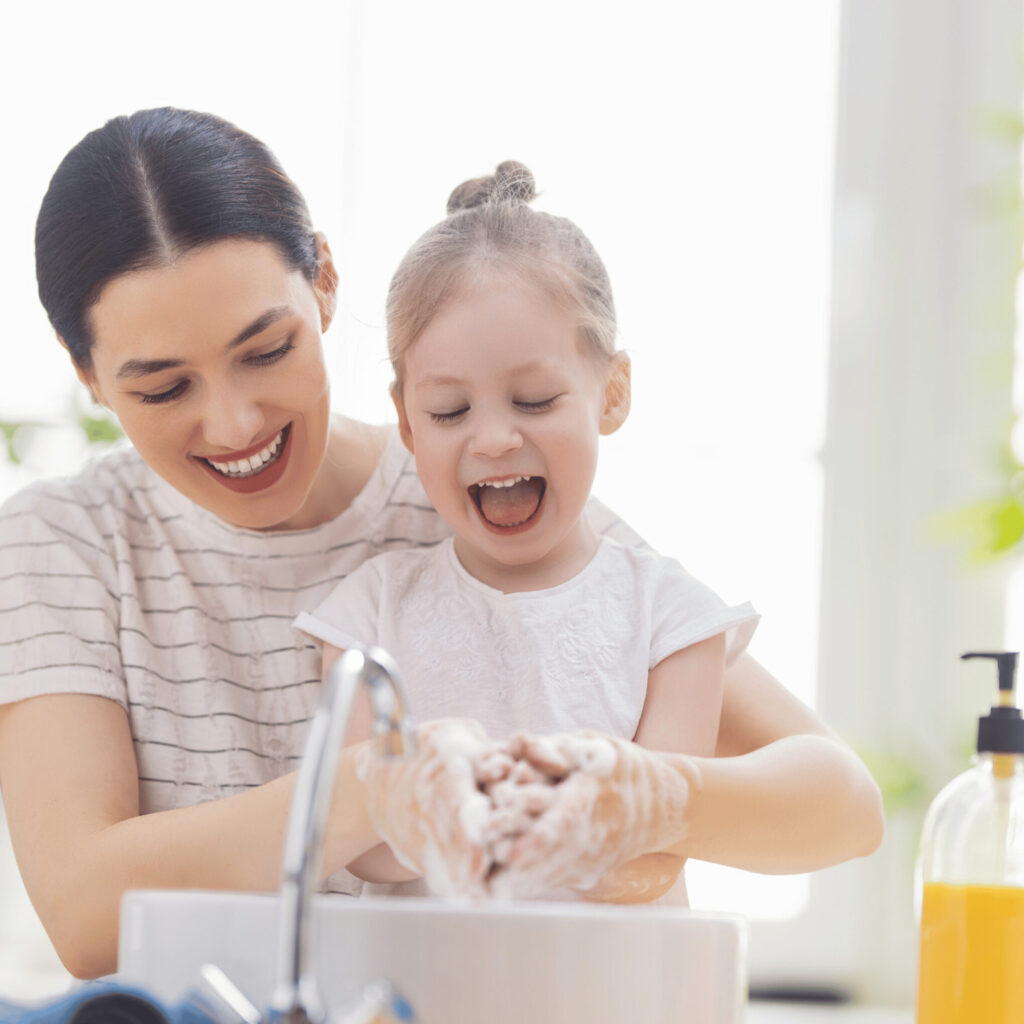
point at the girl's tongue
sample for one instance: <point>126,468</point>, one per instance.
<point>510,506</point>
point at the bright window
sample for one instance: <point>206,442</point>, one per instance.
<point>692,142</point>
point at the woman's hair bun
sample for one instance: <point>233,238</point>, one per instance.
<point>511,182</point>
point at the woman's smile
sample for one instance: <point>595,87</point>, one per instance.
<point>254,470</point>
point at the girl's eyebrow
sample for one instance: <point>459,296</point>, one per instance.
<point>437,382</point>
<point>142,367</point>
<point>441,380</point>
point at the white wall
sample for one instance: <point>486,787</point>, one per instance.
<point>695,144</point>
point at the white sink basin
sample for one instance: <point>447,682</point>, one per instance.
<point>515,963</point>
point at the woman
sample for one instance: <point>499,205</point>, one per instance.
<point>153,694</point>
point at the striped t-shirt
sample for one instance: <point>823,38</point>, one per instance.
<point>113,583</point>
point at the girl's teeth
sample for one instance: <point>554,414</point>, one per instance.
<point>511,482</point>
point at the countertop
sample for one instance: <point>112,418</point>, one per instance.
<point>802,1013</point>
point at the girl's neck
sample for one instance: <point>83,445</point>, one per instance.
<point>569,557</point>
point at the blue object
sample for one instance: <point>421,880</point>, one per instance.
<point>104,1002</point>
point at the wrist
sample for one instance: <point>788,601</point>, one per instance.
<point>350,832</point>
<point>679,787</point>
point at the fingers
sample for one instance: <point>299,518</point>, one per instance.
<point>524,817</point>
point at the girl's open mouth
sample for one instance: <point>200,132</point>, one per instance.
<point>509,504</point>
<point>256,472</point>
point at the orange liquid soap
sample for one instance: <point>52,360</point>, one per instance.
<point>972,955</point>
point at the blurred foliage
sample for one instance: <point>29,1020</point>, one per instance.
<point>901,780</point>
<point>994,526</point>
<point>17,434</point>
<point>99,429</point>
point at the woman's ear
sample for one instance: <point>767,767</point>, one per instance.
<point>404,430</point>
<point>87,377</point>
<point>616,394</point>
<point>325,287</point>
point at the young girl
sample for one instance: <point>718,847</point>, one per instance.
<point>501,335</point>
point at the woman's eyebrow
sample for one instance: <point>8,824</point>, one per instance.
<point>141,367</point>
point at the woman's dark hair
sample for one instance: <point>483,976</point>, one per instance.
<point>144,189</point>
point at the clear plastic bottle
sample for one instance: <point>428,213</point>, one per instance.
<point>970,878</point>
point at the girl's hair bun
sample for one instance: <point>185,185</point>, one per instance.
<point>511,182</point>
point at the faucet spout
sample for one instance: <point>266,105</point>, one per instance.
<point>296,999</point>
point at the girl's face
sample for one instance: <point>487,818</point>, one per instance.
<point>214,369</point>
<point>502,409</point>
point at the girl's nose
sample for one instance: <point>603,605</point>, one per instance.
<point>495,436</point>
<point>232,421</point>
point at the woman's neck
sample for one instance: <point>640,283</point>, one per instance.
<point>353,451</point>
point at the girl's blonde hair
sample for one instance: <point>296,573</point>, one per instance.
<point>489,225</point>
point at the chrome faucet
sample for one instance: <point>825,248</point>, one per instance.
<point>296,999</point>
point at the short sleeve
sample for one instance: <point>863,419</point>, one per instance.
<point>59,601</point>
<point>685,611</point>
<point>349,614</point>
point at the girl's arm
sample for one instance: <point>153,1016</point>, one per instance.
<point>681,715</point>
<point>783,794</point>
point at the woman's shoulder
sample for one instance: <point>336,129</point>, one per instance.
<point>106,492</point>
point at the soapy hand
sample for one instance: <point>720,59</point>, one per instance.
<point>536,813</point>
<point>610,802</point>
<point>428,808</point>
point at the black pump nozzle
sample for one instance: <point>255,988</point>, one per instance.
<point>1007,661</point>
<point>1001,731</point>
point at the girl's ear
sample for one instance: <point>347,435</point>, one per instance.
<point>404,430</point>
<point>325,287</point>
<point>616,395</point>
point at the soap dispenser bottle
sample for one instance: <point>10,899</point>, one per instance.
<point>970,877</point>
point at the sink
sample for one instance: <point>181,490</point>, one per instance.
<point>495,963</point>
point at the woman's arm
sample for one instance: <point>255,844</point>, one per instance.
<point>70,790</point>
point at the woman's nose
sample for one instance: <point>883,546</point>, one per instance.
<point>232,421</point>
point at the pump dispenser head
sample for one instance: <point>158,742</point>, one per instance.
<point>1001,731</point>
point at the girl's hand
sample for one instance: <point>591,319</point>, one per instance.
<point>610,802</point>
<point>428,808</point>
<point>638,881</point>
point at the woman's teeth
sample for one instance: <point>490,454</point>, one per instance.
<point>252,465</point>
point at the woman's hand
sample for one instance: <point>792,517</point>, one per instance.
<point>428,808</point>
<point>610,801</point>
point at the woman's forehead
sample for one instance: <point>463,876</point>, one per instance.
<point>204,297</point>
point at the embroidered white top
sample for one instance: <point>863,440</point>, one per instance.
<point>572,656</point>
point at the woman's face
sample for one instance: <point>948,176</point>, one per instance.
<point>213,366</point>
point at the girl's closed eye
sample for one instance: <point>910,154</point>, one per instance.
<point>541,406</point>
<point>448,417</point>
